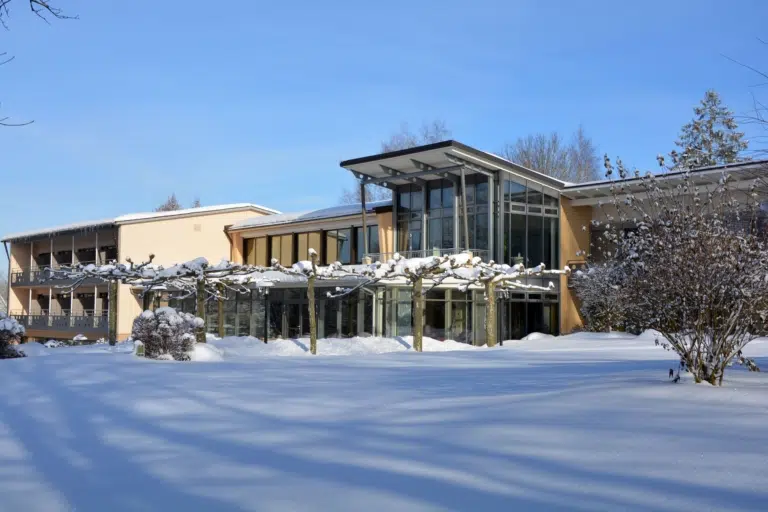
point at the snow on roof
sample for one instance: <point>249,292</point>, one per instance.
<point>75,226</point>
<point>133,217</point>
<point>324,213</point>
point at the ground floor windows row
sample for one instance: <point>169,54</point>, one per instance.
<point>448,314</point>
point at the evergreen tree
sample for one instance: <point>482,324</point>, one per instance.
<point>711,138</point>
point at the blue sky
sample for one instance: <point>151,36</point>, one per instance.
<point>258,102</point>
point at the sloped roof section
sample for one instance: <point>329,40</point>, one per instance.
<point>344,210</point>
<point>132,218</point>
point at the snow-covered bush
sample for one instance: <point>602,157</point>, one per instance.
<point>166,333</point>
<point>11,332</point>
<point>693,260</point>
<point>599,289</point>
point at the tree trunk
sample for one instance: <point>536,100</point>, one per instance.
<point>112,313</point>
<point>220,311</point>
<point>311,305</point>
<point>418,315</point>
<point>200,334</point>
<point>490,314</point>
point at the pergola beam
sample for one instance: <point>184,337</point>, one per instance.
<point>412,177</point>
<point>443,172</point>
<point>469,165</point>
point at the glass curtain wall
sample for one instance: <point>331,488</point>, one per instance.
<point>531,225</point>
<point>410,210</point>
<point>440,219</point>
<point>477,213</point>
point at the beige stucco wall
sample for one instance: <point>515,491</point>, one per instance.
<point>386,232</point>
<point>574,239</point>
<point>172,240</point>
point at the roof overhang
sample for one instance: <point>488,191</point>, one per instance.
<point>447,160</point>
<point>742,175</point>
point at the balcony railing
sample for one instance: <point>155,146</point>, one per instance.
<point>41,274</point>
<point>424,253</point>
<point>82,322</point>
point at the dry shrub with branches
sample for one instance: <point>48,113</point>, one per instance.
<point>691,262</point>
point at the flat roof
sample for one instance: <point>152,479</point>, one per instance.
<point>344,210</point>
<point>446,159</point>
<point>134,218</point>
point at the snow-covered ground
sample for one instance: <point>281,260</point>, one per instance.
<point>583,422</point>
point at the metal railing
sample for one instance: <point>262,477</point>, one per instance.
<point>483,254</point>
<point>63,320</point>
<point>39,273</point>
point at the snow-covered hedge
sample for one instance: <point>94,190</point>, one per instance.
<point>166,333</point>
<point>11,332</point>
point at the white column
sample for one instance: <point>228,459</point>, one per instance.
<point>72,258</point>
<point>448,311</point>
<point>31,254</point>
<point>50,263</point>
<point>96,257</point>
<point>29,303</point>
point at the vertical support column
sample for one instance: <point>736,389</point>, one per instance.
<point>50,306</point>
<point>491,215</point>
<point>112,312</point>
<point>464,209</point>
<point>448,315</point>
<point>424,220</point>
<point>50,263</point>
<point>29,303</point>
<point>361,312</point>
<point>266,314</point>
<point>96,257</point>
<point>501,223</point>
<point>456,217</point>
<point>395,248</point>
<point>31,257</point>
<point>365,223</point>
<point>72,257</point>
<point>95,303</point>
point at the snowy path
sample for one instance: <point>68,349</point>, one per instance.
<point>552,424</point>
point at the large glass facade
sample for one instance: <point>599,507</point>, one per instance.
<point>531,225</point>
<point>440,217</point>
<point>410,212</point>
<point>477,213</point>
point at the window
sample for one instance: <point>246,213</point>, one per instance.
<point>440,215</point>
<point>477,213</point>
<point>305,242</point>
<point>338,246</point>
<point>255,251</point>
<point>282,249</point>
<point>531,225</point>
<point>409,217</point>
<point>373,242</point>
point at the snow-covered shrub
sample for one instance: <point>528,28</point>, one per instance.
<point>11,332</point>
<point>166,333</point>
<point>693,261</point>
<point>599,290</point>
<point>52,344</point>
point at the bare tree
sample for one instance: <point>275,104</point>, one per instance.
<point>575,161</point>
<point>3,293</point>
<point>196,203</point>
<point>692,267</point>
<point>42,9</point>
<point>404,138</point>
<point>170,204</point>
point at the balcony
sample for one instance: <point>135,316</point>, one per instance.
<point>483,254</point>
<point>35,276</point>
<point>85,322</point>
